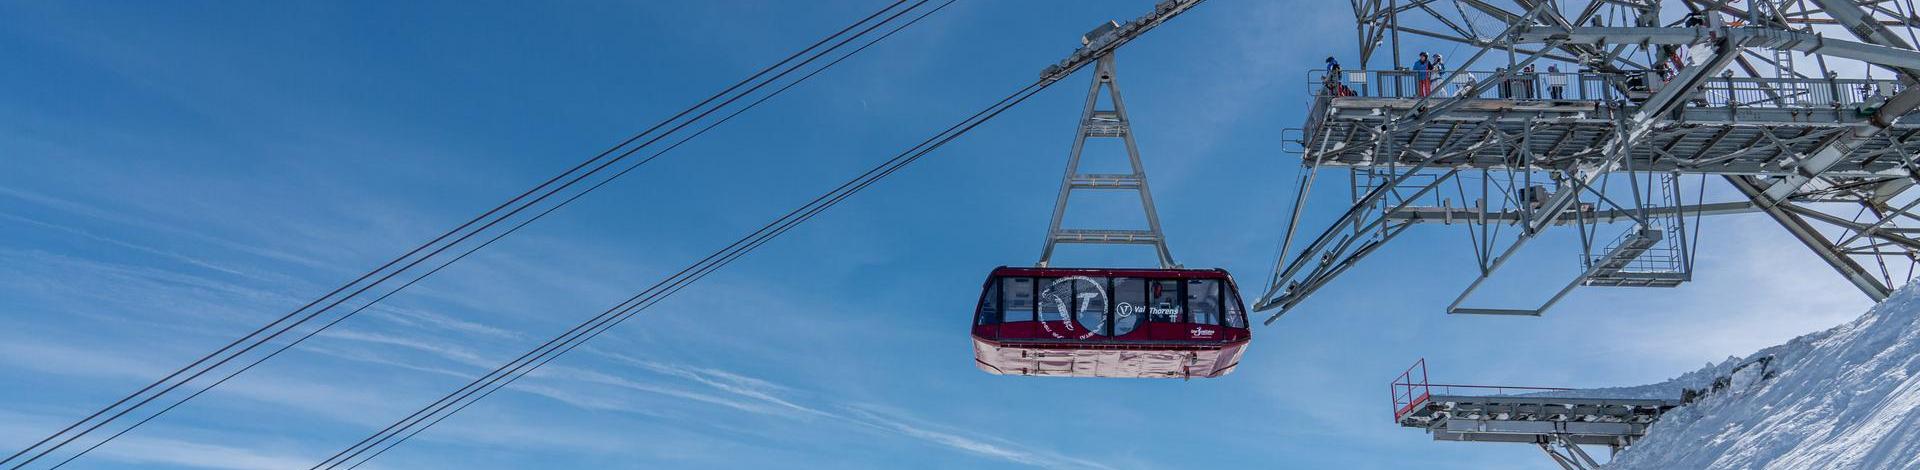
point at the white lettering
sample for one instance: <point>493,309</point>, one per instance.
<point>1067,318</point>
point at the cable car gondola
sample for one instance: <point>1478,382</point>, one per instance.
<point>1108,322</point>
<point>1156,323</point>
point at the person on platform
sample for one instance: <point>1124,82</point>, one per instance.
<point>1531,81</point>
<point>1556,83</point>
<point>1423,76</point>
<point>1335,87</point>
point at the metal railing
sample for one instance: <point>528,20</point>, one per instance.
<point>1664,257</point>
<point>1656,260</point>
<point>1406,392</point>
<point>1719,92</point>
<point>1795,92</point>
<point>1411,389</point>
<point>1407,84</point>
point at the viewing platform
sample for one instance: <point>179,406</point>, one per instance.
<point>1543,416</point>
<point>1730,125</point>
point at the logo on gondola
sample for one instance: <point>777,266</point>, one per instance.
<point>1202,331</point>
<point>1078,307</point>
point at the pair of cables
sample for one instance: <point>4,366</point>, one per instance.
<point>475,234</point>
<point>512,371</point>
<point>506,374</point>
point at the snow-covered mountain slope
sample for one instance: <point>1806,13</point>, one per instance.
<point>1844,398</point>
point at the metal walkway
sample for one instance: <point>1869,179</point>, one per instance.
<point>1723,131</point>
<point>1542,416</point>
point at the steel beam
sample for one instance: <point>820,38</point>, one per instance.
<point>1789,143</point>
<point>1625,138</point>
<point>1863,26</point>
<point>1812,238</point>
<point>1797,41</point>
<point>1819,162</point>
<point>1450,215</point>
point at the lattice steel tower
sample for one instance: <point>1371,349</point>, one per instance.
<point>1613,118</point>
<point>1096,123</point>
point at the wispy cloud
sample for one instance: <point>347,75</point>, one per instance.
<point>417,317</point>
<point>323,398</point>
<point>71,207</point>
<point>875,417</point>
<point>724,381</point>
<point>585,400</point>
<point>120,243</point>
<point>161,451</point>
<point>155,451</point>
<point>583,375</point>
<point>894,420</point>
<point>748,394</point>
<point>69,360</point>
<point>448,351</point>
<point>362,355</point>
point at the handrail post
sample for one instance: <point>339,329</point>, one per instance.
<point>1733,100</point>
<point>1833,89</point>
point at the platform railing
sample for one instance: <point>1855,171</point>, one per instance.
<point>1665,256</point>
<point>1795,93</point>
<point>1520,86</point>
<point>1412,389</point>
<point>1409,389</point>
<point>1719,92</point>
<point>1659,259</point>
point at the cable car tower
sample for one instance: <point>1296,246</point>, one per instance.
<point>1615,120</point>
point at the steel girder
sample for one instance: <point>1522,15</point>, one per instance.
<point>1799,162</point>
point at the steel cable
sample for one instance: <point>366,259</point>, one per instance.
<point>410,254</point>
<point>584,331</point>
<point>486,385</point>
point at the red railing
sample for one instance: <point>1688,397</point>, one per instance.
<point>1411,389</point>
<point>1406,392</point>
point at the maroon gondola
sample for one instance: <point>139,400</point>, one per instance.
<point>1159,323</point>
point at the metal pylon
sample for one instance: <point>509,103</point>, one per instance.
<point>1843,184</point>
<point>1105,123</point>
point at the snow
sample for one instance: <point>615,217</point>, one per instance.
<point>1848,397</point>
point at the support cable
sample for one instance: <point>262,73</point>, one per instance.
<point>496,238</point>
<point>505,374</point>
<point>436,241</point>
<point>605,320</point>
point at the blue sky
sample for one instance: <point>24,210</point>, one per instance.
<point>177,174</point>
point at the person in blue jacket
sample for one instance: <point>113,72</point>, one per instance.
<point>1423,76</point>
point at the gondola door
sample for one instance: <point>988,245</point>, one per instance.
<point>1186,310</point>
<point>1129,308</point>
<point>1166,311</point>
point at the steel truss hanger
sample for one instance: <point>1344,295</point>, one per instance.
<point>1096,123</point>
